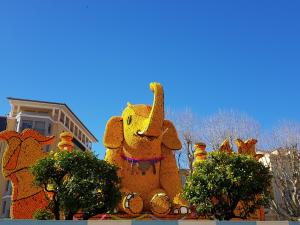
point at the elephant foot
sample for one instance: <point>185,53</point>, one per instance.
<point>183,210</point>
<point>160,204</point>
<point>132,204</point>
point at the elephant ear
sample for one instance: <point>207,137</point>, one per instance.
<point>170,137</point>
<point>113,135</point>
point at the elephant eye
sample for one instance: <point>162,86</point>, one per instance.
<point>129,120</point>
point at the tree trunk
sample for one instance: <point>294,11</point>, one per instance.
<point>69,216</point>
<point>86,216</point>
<point>229,216</point>
<point>56,210</point>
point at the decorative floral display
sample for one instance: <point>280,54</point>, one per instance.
<point>141,143</point>
<point>23,150</point>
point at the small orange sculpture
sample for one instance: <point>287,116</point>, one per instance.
<point>248,147</point>
<point>23,150</point>
<point>225,147</point>
<point>65,144</point>
<point>66,141</point>
<point>200,154</point>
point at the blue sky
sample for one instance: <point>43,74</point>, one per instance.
<point>97,55</point>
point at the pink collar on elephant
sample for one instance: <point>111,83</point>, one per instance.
<point>143,164</point>
<point>135,160</point>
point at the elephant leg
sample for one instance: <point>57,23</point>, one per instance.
<point>160,203</point>
<point>131,203</point>
<point>170,181</point>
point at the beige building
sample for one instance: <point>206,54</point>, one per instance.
<point>284,166</point>
<point>49,118</point>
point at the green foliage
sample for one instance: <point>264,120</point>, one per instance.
<point>219,183</point>
<point>43,214</point>
<point>80,181</point>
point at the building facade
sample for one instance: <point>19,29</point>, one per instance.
<point>284,166</point>
<point>49,118</point>
<point>5,186</point>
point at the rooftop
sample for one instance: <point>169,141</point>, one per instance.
<point>53,103</point>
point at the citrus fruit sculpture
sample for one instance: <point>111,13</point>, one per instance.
<point>142,144</point>
<point>23,150</point>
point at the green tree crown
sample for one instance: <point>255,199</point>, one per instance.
<point>222,182</point>
<point>79,181</point>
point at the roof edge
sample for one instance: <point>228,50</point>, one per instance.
<point>54,103</point>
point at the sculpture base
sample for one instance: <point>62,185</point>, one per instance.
<point>143,216</point>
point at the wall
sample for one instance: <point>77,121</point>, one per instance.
<point>11,123</point>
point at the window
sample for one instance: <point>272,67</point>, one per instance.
<point>67,122</point>
<point>40,126</point>
<point>8,212</point>
<point>7,186</point>
<point>72,127</point>
<point>62,117</point>
<point>76,131</point>
<point>3,207</point>
<point>47,148</point>
<point>26,124</point>
<point>79,135</point>
<point>49,129</point>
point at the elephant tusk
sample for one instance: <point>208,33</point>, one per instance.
<point>140,132</point>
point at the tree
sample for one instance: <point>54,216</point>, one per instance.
<point>221,182</point>
<point>286,134</point>
<point>283,158</point>
<point>187,125</point>
<point>285,168</point>
<point>78,181</point>
<point>230,125</point>
<point>212,130</point>
<point>43,214</point>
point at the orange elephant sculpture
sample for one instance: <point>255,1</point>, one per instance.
<point>142,144</point>
<point>23,150</point>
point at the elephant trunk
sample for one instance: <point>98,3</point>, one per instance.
<point>153,124</point>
